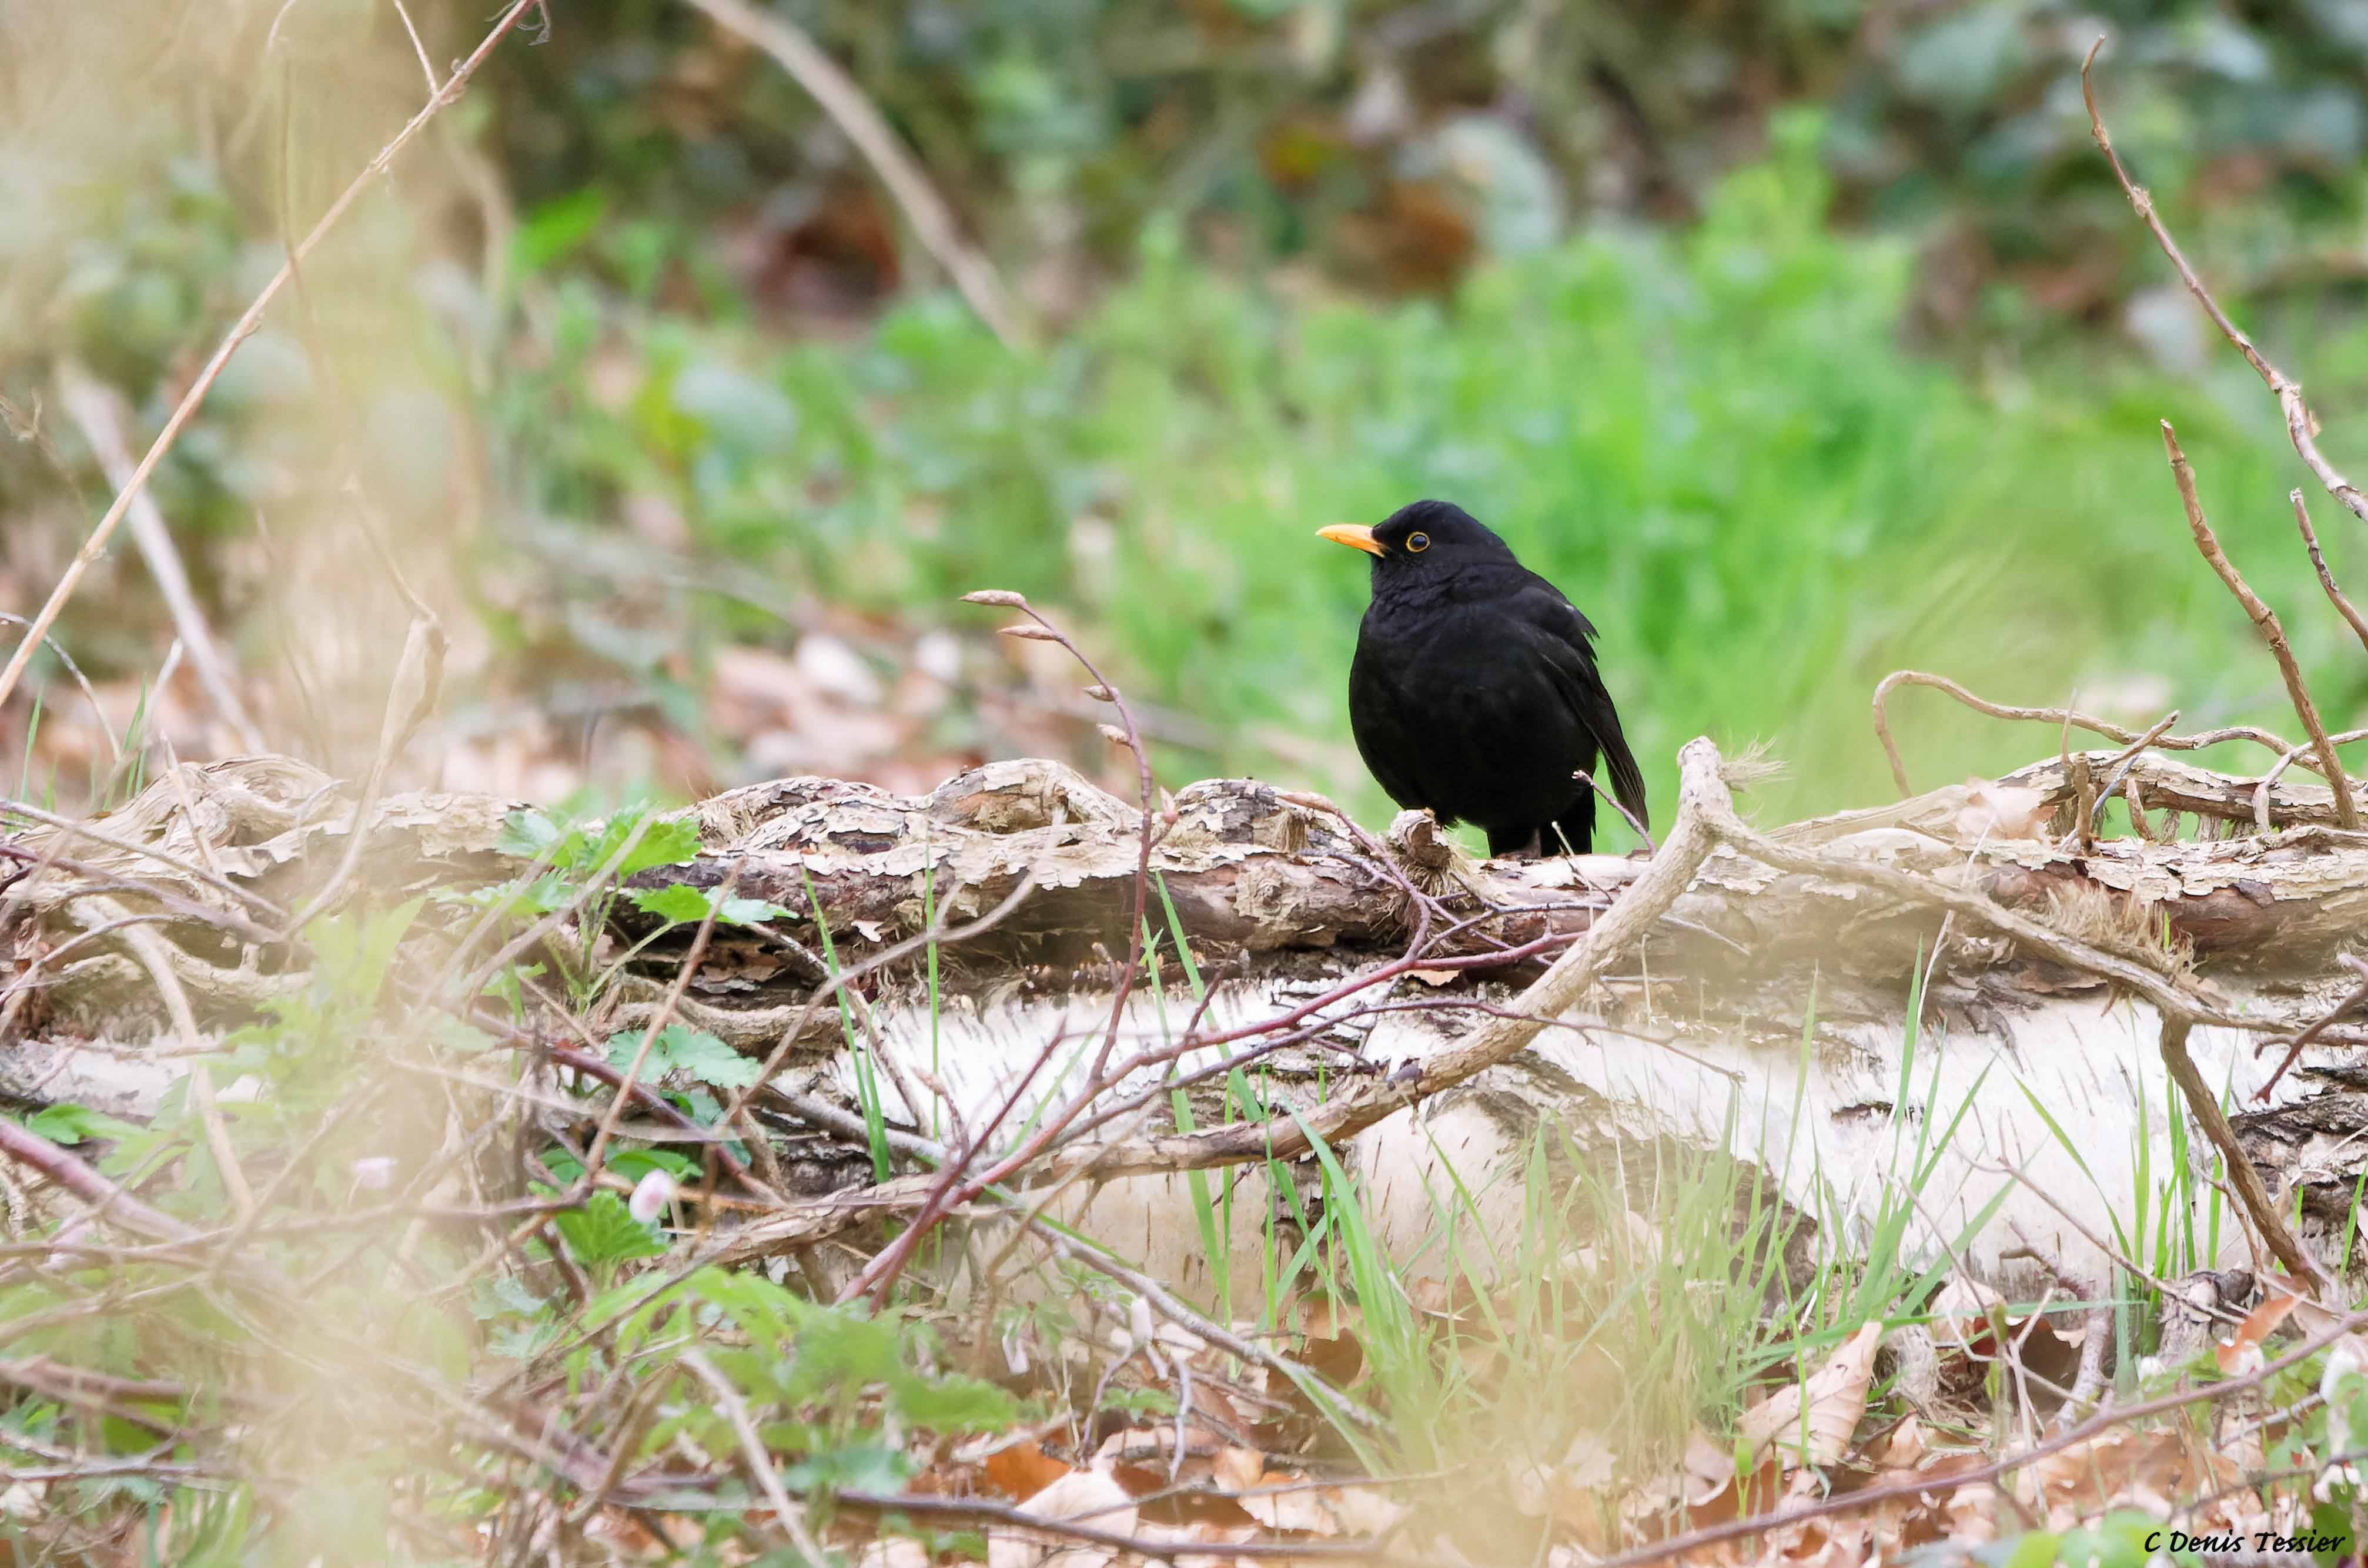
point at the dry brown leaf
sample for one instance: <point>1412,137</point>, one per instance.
<point>1571,1492</point>
<point>1812,1423</point>
<point>1304,1513</point>
<point>1238,1470</point>
<point>1325,1511</point>
<point>1709,1466</point>
<point>1903,1447</point>
<point>1023,1470</point>
<point>1363,1510</point>
<point>2139,1469</point>
<point>898,1551</point>
<point>2240,1353</point>
<point>1095,1492</point>
<point>1996,810</point>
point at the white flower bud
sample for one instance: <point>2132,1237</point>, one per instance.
<point>650,1194</point>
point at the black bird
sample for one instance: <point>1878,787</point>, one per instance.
<point>1474,692</point>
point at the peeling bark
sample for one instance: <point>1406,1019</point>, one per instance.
<point>1697,1042</point>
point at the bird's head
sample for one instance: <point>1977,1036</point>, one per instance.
<point>1423,538</point>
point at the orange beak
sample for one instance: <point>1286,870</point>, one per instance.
<point>1355,535</point>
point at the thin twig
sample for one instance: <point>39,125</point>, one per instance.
<point>29,1148</point>
<point>106,727</point>
<point>2069,718</point>
<point>2302,426</point>
<point>853,113</point>
<point>98,412</point>
<point>2252,1197</point>
<point>1925,1489</point>
<point>418,48</point>
<point>2265,622</point>
<point>659,1019</point>
<point>239,332</point>
<point>752,1449</point>
<point>2343,606</point>
<point>148,946</point>
<point>1584,777</point>
<point>2318,1027</point>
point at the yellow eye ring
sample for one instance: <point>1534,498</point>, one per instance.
<point>1417,543</point>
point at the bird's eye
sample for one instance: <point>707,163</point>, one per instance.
<point>1417,543</point>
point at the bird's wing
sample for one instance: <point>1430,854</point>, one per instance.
<point>1381,733</point>
<point>1566,638</point>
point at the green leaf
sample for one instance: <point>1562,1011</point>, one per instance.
<point>453,1035</point>
<point>668,843</point>
<point>503,1295</point>
<point>2036,1549</point>
<point>676,903</point>
<point>526,834</point>
<point>692,1052</point>
<point>604,1232</point>
<point>859,1467</point>
<point>557,227</point>
<point>686,905</point>
<point>67,1122</point>
<point>635,1163</point>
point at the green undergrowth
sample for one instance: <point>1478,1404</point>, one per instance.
<point>1714,439</point>
<point>348,1378</point>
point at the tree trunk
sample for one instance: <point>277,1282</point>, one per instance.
<point>1842,1043</point>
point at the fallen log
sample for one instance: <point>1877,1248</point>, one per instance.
<point>1966,974</point>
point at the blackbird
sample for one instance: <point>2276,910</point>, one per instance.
<point>1473,692</point>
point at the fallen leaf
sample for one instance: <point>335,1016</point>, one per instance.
<point>1997,811</point>
<point>1812,1423</point>
<point>1081,1491</point>
<point>1023,1470</point>
<point>2240,1353</point>
<point>1238,1470</point>
<point>1902,1448</point>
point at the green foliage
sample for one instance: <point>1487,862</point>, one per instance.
<point>304,1051</point>
<point>579,850</point>
<point>68,1123</point>
<point>603,1232</point>
<point>695,1054</point>
<point>683,905</point>
<point>587,862</point>
<point>1713,440</point>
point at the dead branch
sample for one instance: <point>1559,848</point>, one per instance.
<point>2343,606</point>
<point>239,332</point>
<point>2265,622</point>
<point>98,412</point>
<point>2203,1105</point>
<point>2302,426</point>
<point>29,1148</point>
<point>2070,718</point>
<point>853,113</point>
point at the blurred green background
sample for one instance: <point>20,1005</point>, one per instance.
<point>1797,341</point>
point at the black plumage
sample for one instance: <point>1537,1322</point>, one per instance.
<point>1474,691</point>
